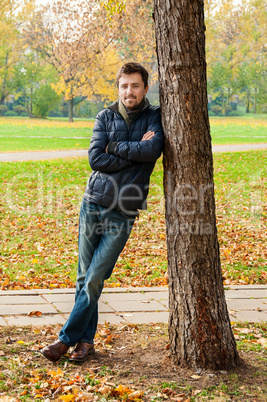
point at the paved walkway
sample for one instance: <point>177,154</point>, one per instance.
<point>40,155</point>
<point>116,305</point>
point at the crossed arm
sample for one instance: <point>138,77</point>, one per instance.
<point>106,156</point>
<point>147,136</point>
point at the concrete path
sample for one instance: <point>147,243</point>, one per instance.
<point>40,155</point>
<point>116,305</point>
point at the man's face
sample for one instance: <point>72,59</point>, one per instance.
<point>131,90</point>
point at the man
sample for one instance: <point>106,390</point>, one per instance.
<point>127,140</point>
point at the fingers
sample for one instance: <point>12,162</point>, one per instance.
<point>148,135</point>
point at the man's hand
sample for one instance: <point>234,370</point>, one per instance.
<point>148,136</point>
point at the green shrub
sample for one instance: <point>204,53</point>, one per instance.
<point>218,110</point>
<point>263,108</point>
<point>235,113</point>
<point>227,109</point>
<point>24,114</point>
<point>211,113</point>
<point>10,113</point>
<point>3,109</point>
<point>55,114</point>
<point>19,109</point>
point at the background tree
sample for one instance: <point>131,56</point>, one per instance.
<point>235,37</point>
<point>13,14</point>
<point>78,40</point>
<point>33,79</point>
<point>199,326</point>
<point>86,41</point>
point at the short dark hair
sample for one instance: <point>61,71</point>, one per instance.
<point>131,68</point>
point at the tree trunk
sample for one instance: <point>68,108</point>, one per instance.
<point>255,100</point>
<point>199,326</point>
<point>248,101</point>
<point>70,109</point>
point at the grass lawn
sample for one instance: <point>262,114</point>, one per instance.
<point>131,363</point>
<point>39,206</point>
<point>238,130</point>
<point>24,134</point>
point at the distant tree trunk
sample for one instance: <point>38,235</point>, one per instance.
<point>70,109</point>
<point>248,101</point>
<point>199,326</point>
<point>255,100</point>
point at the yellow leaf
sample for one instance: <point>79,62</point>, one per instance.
<point>122,390</point>
<point>67,398</point>
<point>55,374</point>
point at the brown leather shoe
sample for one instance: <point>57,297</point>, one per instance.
<point>81,352</point>
<point>55,351</point>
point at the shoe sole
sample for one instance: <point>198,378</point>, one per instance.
<point>82,360</point>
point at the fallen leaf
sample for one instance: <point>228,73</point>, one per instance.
<point>104,390</point>
<point>121,390</point>
<point>67,398</point>
<point>35,313</point>
<point>135,395</point>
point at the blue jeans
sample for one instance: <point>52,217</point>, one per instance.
<point>103,234</point>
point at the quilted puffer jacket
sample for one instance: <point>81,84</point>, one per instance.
<point>120,177</point>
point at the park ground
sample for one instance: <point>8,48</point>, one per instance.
<point>131,363</point>
<point>39,205</point>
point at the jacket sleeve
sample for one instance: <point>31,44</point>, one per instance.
<point>99,160</point>
<point>141,151</point>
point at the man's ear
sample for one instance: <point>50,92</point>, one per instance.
<point>146,89</point>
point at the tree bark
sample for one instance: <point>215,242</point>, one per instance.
<point>70,109</point>
<point>199,326</point>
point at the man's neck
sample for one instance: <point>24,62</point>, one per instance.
<point>130,115</point>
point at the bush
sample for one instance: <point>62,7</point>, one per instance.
<point>24,114</point>
<point>218,110</point>
<point>20,109</point>
<point>45,99</point>
<point>63,110</point>
<point>10,113</point>
<point>235,113</point>
<point>55,114</point>
<point>227,109</point>
<point>211,113</point>
<point>3,109</point>
<point>263,108</point>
